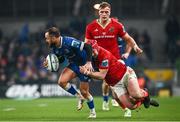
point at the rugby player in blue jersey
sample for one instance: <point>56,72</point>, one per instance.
<point>78,54</point>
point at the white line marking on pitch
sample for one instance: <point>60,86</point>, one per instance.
<point>42,105</point>
<point>9,109</point>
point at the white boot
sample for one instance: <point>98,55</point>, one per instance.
<point>80,101</point>
<point>92,114</point>
<point>105,106</point>
<point>80,104</point>
<point>127,112</point>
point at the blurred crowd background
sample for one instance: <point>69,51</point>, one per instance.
<point>154,24</point>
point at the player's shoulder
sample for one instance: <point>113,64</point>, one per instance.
<point>68,38</point>
<point>116,22</point>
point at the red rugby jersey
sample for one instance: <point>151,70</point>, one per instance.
<point>116,69</point>
<point>107,37</point>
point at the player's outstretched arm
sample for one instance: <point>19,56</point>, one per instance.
<point>130,41</point>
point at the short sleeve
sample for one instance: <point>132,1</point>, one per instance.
<point>121,30</point>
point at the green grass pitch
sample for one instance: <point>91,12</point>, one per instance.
<point>64,109</point>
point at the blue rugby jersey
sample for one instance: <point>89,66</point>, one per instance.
<point>71,49</point>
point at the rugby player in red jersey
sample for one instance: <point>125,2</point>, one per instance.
<point>121,78</point>
<point>106,31</point>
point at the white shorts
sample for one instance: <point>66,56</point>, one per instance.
<point>121,87</point>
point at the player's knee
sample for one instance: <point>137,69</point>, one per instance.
<point>84,92</point>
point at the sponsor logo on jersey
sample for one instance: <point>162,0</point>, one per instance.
<point>104,36</point>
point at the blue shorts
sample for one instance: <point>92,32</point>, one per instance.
<point>82,77</point>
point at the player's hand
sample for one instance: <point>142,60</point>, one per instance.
<point>45,63</point>
<point>84,70</point>
<point>137,49</point>
<point>125,55</point>
<point>88,66</point>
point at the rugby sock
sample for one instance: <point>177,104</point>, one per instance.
<point>138,103</point>
<point>106,98</point>
<point>90,103</point>
<point>69,88</point>
<point>122,106</point>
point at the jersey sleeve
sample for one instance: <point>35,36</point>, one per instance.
<point>121,30</point>
<point>104,64</point>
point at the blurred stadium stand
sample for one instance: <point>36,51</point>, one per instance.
<point>60,8</point>
<point>23,22</point>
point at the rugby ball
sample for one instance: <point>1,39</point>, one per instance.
<point>53,63</point>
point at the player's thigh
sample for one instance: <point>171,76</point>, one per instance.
<point>133,86</point>
<point>75,68</point>
<point>122,95</point>
<point>66,75</point>
<point>118,90</point>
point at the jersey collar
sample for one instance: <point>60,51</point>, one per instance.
<point>61,41</point>
<point>98,22</point>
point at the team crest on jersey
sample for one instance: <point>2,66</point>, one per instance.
<point>104,63</point>
<point>111,29</point>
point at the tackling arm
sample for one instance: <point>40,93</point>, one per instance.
<point>99,75</point>
<point>96,75</point>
